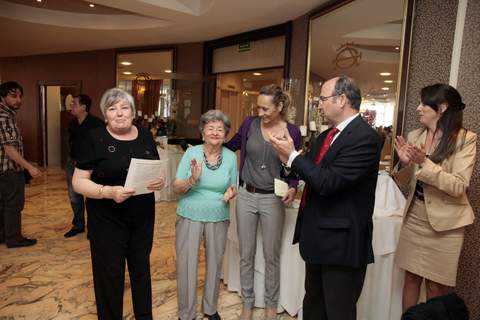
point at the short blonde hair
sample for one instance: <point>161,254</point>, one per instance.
<point>113,96</point>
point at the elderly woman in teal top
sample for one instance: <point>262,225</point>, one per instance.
<point>206,179</point>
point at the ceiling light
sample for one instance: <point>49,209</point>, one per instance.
<point>397,48</point>
<point>386,88</point>
<point>388,81</point>
<point>127,73</point>
<point>126,63</point>
<point>385,74</point>
<point>257,73</point>
<point>168,71</point>
<point>91,5</point>
<point>39,0</point>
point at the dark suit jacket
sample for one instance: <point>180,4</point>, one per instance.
<point>335,226</point>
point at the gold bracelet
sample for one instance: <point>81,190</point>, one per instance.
<point>100,191</point>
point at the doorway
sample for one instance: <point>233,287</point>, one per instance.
<point>55,116</point>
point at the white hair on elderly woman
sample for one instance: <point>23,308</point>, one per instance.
<point>214,115</point>
<point>113,96</point>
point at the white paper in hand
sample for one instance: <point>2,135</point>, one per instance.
<point>141,172</point>
<point>281,187</point>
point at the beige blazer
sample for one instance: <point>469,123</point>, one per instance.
<point>445,184</point>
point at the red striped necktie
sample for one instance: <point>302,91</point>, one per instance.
<point>321,153</point>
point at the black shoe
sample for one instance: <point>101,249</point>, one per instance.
<point>214,316</point>
<point>73,232</point>
<point>25,242</point>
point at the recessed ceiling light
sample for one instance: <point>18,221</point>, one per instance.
<point>168,71</point>
<point>257,73</point>
<point>385,74</point>
<point>388,81</point>
<point>127,73</point>
<point>39,0</point>
<point>397,48</point>
<point>386,88</point>
<point>91,5</point>
<point>126,63</point>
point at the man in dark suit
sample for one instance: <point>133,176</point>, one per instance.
<point>334,224</point>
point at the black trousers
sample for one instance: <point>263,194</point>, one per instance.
<point>116,237</point>
<point>331,292</point>
<point>12,200</point>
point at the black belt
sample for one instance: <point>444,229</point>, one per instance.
<point>253,189</point>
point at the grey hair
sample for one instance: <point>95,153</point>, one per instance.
<point>214,115</point>
<point>347,86</point>
<point>113,96</point>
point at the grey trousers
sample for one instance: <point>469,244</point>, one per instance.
<point>270,211</point>
<point>189,234</point>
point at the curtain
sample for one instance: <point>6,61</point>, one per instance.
<point>146,94</point>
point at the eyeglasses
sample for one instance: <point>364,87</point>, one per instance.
<point>323,99</point>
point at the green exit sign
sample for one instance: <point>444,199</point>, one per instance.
<point>244,46</point>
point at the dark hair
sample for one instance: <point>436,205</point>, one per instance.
<point>279,97</point>
<point>450,121</point>
<point>350,89</point>
<point>85,100</point>
<point>8,87</point>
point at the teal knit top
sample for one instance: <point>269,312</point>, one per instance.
<point>204,201</point>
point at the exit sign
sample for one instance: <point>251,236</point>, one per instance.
<point>244,46</point>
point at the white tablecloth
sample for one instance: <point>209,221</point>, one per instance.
<point>173,154</point>
<point>381,295</point>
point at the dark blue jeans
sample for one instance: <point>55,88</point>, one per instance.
<point>76,200</point>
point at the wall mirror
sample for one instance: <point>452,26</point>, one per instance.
<point>364,39</point>
<point>148,77</point>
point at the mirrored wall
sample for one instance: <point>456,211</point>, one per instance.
<point>147,76</point>
<point>363,39</point>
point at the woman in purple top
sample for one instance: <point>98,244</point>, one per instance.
<point>256,200</point>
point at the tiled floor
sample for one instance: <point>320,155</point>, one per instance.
<point>52,280</point>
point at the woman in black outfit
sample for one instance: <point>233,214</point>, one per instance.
<point>120,225</point>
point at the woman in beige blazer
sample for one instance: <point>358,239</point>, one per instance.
<point>436,163</point>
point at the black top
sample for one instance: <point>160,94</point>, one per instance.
<point>109,158</point>
<point>78,132</point>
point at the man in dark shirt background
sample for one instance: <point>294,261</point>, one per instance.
<point>77,129</point>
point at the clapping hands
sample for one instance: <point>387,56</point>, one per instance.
<point>408,153</point>
<point>195,170</point>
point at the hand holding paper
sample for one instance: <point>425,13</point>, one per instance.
<point>145,176</point>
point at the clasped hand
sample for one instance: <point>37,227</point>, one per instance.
<point>408,152</point>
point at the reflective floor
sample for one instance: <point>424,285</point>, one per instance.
<point>52,280</point>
